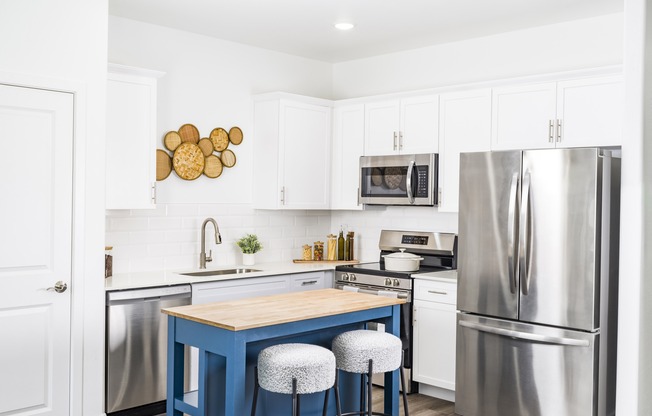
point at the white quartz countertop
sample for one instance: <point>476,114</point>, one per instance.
<point>443,276</point>
<point>122,281</point>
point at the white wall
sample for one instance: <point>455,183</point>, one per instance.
<point>62,45</point>
<point>561,47</point>
<point>635,311</point>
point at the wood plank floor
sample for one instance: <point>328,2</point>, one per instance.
<point>418,404</point>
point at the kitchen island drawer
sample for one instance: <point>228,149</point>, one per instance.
<point>307,281</point>
<point>435,291</point>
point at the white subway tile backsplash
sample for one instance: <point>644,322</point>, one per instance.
<point>182,210</point>
<point>128,224</point>
<point>169,236</point>
<point>165,223</point>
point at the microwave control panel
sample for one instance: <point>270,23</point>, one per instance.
<point>422,182</point>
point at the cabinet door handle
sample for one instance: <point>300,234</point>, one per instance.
<point>400,140</point>
<point>551,128</point>
<point>282,195</point>
<point>437,292</point>
<point>558,130</point>
<point>308,283</point>
<point>154,193</point>
<point>395,142</point>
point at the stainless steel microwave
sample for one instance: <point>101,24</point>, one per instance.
<point>399,180</point>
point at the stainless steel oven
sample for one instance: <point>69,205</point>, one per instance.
<point>439,252</point>
<point>399,179</point>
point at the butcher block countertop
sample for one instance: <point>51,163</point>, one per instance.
<point>264,311</point>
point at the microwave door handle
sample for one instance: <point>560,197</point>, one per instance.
<point>408,182</point>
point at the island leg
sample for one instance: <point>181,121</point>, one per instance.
<point>235,380</point>
<point>392,325</point>
<point>175,368</point>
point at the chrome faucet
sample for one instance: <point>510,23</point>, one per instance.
<point>218,240</point>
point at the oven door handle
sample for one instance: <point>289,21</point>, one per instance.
<point>400,295</point>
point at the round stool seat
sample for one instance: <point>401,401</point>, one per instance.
<point>311,365</point>
<point>354,349</point>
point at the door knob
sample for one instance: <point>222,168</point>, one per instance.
<point>59,287</point>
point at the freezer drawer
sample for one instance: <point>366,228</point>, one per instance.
<point>513,369</point>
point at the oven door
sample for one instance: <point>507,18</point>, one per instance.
<point>405,326</point>
<point>399,180</point>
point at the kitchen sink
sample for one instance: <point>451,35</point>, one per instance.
<point>220,272</point>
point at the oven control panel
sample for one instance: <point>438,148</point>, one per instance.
<point>382,282</point>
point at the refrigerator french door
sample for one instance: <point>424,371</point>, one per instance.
<point>537,275</point>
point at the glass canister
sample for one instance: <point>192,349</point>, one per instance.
<point>108,261</point>
<point>318,251</point>
<point>307,252</point>
<point>331,250</point>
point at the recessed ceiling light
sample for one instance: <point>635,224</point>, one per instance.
<point>344,26</point>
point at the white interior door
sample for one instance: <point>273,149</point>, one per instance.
<point>35,250</point>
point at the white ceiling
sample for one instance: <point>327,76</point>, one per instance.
<point>305,27</point>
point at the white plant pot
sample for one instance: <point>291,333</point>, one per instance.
<point>248,259</point>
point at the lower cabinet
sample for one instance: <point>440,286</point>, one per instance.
<point>434,336</point>
<point>227,290</point>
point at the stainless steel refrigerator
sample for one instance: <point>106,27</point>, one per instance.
<point>537,283</point>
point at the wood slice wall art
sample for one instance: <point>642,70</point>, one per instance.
<point>193,156</point>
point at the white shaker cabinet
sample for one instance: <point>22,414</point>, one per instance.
<point>464,126</point>
<point>574,113</point>
<point>292,141</point>
<point>435,333</point>
<point>131,138</point>
<point>405,126</point>
<point>590,112</point>
<point>523,116</point>
<point>347,147</point>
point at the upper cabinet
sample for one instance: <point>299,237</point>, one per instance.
<point>574,113</point>
<point>464,126</point>
<point>347,147</point>
<point>131,138</point>
<point>590,112</point>
<point>405,126</point>
<point>292,143</point>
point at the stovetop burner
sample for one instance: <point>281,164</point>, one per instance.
<point>378,268</point>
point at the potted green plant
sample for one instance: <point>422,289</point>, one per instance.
<point>249,245</point>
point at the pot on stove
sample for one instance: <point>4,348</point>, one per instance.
<point>402,262</point>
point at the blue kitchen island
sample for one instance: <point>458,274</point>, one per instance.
<point>229,336</point>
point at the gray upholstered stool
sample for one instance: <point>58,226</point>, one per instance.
<point>295,369</point>
<point>368,352</point>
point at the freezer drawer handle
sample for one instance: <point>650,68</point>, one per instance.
<point>525,335</point>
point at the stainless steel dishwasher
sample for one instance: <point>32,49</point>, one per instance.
<point>136,348</point>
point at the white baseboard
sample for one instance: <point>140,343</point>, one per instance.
<point>438,392</point>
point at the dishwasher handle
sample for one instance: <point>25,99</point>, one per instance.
<point>121,297</point>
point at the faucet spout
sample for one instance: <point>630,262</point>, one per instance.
<point>203,258</point>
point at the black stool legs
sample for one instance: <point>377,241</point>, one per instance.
<point>368,411</point>
<point>296,402</point>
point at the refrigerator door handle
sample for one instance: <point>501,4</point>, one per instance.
<point>511,234</point>
<point>524,236</point>
<point>408,182</point>
<point>526,335</point>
